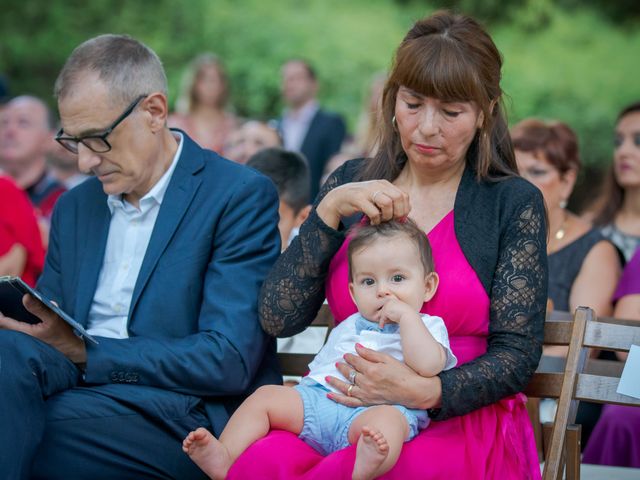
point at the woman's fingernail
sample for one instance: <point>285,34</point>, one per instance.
<point>326,379</point>
<point>359,345</point>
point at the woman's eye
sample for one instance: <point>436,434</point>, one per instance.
<point>617,141</point>
<point>451,113</point>
<point>537,173</point>
<point>636,139</point>
<point>397,278</point>
<point>412,106</point>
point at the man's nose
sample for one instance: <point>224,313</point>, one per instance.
<point>87,158</point>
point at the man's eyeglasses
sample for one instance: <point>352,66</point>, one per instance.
<point>96,142</point>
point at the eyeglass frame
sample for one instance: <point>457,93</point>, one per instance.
<point>103,136</point>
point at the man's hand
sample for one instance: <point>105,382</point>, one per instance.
<point>52,330</point>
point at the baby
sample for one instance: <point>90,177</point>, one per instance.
<point>390,277</point>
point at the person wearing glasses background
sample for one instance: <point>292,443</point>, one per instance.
<point>160,257</point>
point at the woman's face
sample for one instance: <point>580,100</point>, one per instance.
<point>554,186</point>
<point>208,87</point>
<point>435,134</point>
<point>626,154</point>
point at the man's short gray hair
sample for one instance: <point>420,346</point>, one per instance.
<point>127,67</point>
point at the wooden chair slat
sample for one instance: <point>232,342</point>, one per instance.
<point>545,385</point>
<point>595,388</point>
<point>582,379</point>
<point>610,336</point>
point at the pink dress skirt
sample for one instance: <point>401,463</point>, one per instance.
<point>493,442</point>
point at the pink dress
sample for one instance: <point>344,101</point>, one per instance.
<point>493,442</point>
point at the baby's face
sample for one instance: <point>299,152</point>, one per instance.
<point>388,268</point>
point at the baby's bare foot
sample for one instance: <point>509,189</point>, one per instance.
<point>208,453</point>
<point>371,451</point>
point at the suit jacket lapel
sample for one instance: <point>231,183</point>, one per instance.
<point>95,243</point>
<point>182,187</point>
<point>309,136</point>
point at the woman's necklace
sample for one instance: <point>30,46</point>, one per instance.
<point>560,233</point>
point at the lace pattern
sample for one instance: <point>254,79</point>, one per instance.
<point>294,291</point>
<point>518,296</point>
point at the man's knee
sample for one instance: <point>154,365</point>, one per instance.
<point>15,350</point>
<point>25,359</point>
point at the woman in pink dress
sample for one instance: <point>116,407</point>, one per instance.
<point>446,161</point>
<point>201,110</point>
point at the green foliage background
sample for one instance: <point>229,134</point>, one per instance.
<point>563,60</point>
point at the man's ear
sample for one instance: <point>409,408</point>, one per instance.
<point>431,282</point>
<point>156,107</point>
<point>301,216</point>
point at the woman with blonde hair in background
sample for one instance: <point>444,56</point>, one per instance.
<point>201,109</point>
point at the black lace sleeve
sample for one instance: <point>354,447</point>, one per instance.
<point>518,300</point>
<point>293,292</point>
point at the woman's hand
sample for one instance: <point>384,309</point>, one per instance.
<point>381,379</point>
<point>379,200</point>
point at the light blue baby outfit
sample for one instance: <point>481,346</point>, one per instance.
<point>327,423</point>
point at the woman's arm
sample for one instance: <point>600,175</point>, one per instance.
<point>596,282</point>
<point>516,322</point>
<point>628,307</point>
<point>14,261</point>
<point>294,289</point>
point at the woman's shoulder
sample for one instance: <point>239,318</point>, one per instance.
<point>349,170</point>
<point>505,194</point>
<point>513,186</point>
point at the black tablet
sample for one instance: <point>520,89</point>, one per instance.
<point>12,289</point>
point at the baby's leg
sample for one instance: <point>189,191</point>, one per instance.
<point>380,432</point>
<point>271,406</point>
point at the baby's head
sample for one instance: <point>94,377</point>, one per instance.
<point>392,259</point>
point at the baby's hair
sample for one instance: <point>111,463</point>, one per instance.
<point>364,234</point>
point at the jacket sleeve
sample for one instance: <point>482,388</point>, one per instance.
<point>517,311</point>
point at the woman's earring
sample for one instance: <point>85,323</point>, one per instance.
<point>563,204</point>
<point>394,123</point>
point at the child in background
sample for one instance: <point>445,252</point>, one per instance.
<point>290,173</point>
<point>391,276</point>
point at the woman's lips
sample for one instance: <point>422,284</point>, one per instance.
<point>428,149</point>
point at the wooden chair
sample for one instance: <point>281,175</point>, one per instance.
<point>581,379</point>
<point>296,364</point>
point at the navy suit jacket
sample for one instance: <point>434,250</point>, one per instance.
<point>193,322</point>
<point>323,139</point>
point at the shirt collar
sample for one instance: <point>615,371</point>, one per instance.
<point>156,194</point>
<point>304,114</point>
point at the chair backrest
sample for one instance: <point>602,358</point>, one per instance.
<point>296,364</point>
<point>581,378</point>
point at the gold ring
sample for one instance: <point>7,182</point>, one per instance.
<point>373,197</point>
<point>349,390</point>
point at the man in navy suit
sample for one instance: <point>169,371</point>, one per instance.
<point>160,257</point>
<point>304,126</point>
